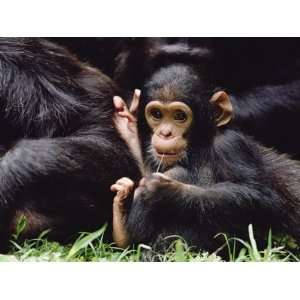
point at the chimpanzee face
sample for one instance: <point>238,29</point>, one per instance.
<point>170,100</point>
<point>170,123</point>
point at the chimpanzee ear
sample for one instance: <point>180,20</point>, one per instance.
<point>223,107</point>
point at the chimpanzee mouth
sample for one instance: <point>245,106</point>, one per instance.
<point>169,155</point>
<point>164,159</point>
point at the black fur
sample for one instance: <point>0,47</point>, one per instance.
<point>233,181</point>
<point>60,151</point>
<point>262,76</point>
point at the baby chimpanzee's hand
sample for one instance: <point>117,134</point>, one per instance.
<point>124,118</point>
<point>123,187</point>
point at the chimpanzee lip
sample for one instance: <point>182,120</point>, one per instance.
<point>168,154</point>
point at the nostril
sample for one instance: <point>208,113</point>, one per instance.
<point>166,134</point>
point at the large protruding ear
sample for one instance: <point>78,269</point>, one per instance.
<point>224,110</point>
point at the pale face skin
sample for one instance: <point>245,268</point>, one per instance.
<point>170,123</point>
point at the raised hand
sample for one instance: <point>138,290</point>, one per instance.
<point>125,120</point>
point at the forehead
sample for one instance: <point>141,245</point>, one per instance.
<point>166,93</point>
<point>172,83</point>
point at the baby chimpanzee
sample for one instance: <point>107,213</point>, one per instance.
<point>214,178</point>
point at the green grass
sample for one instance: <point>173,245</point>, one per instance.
<point>91,247</point>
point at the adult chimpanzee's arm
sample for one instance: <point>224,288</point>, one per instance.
<point>92,158</point>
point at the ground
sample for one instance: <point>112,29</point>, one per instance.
<point>90,247</point>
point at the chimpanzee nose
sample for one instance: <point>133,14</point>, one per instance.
<point>166,134</point>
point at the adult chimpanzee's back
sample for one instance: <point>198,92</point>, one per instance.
<point>59,149</point>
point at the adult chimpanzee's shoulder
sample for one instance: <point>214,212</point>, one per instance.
<point>52,86</point>
<point>270,113</point>
<point>27,53</point>
<point>32,55</point>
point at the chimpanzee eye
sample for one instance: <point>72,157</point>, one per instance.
<point>180,116</point>
<point>156,114</point>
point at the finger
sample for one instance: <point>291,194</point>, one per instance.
<point>127,115</point>
<point>122,109</point>
<point>119,104</point>
<point>158,174</point>
<point>125,181</point>
<point>161,175</point>
<point>116,187</point>
<point>118,198</point>
<point>135,101</point>
<point>128,181</point>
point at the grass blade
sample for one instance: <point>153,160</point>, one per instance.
<point>83,242</point>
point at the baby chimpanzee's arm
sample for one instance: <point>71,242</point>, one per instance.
<point>125,120</point>
<point>126,123</point>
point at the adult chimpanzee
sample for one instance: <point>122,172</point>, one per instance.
<point>60,151</point>
<point>215,179</point>
<point>262,77</point>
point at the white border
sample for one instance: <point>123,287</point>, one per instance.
<point>149,18</point>
<point>149,281</point>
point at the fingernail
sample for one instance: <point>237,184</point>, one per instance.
<point>137,92</point>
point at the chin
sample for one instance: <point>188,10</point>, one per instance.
<point>168,159</point>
